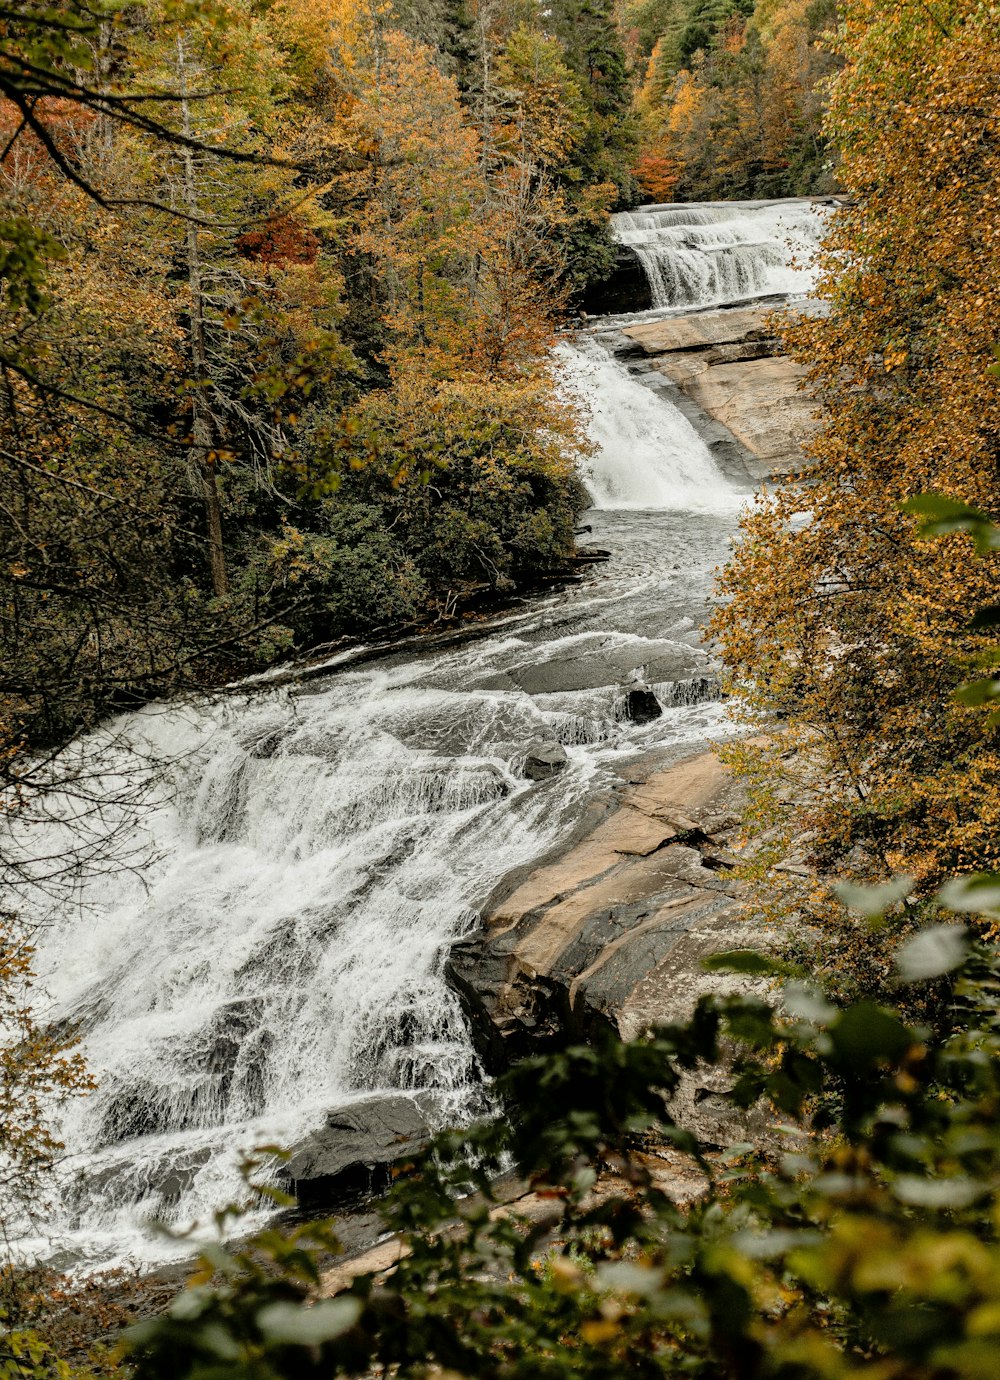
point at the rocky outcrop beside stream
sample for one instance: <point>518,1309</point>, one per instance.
<point>612,933</point>
<point>625,289</point>
<point>730,364</point>
<point>351,1156</point>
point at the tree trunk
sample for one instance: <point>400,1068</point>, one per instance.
<point>201,425</point>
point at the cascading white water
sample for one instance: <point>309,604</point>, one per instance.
<point>646,453</point>
<point>312,856</point>
<point>716,253</point>
<point>275,946</point>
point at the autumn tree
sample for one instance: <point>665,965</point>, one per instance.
<point>840,621</point>
<point>732,100</point>
<point>38,1067</point>
<point>464,432</point>
<point>595,53</point>
<point>108,371</point>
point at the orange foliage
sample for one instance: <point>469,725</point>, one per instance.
<point>282,239</point>
<point>851,628</point>
<point>743,119</point>
<point>26,168</point>
<point>38,1068</point>
<point>657,176</point>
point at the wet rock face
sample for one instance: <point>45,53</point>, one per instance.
<point>543,760</point>
<point>352,1155</point>
<point>612,934</point>
<point>626,287</point>
<point>641,705</point>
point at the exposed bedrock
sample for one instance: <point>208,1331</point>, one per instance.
<point>352,1155</point>
<point>613,932</point>
<point>730,364</point>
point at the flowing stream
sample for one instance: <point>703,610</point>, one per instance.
<point>300,869</point>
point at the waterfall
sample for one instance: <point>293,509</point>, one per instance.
<point>718,253</point>
<point>312,856</point>
<point>646,453</point>
<point>309,860</point>
<point>268,941</point>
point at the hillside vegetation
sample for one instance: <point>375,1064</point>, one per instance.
<point>731,97</point>
<point>279,281</point>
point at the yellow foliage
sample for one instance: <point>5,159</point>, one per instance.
<point>845,623</point>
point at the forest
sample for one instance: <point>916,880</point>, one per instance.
<point>281,281</point>
<point>339,269</point>
<point>250,298</point>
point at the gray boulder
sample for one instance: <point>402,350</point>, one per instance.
<point>352,1155</point>
<point>543,760</point>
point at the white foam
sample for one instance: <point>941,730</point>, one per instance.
<point>712,254</point>
<point>647,454</point>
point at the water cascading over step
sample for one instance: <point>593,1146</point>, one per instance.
<point>646,453</point>
<point>717,253</point>
<point>271,943</point>
<point>307,864</point>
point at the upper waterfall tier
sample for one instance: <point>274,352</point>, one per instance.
<point>714,253</point>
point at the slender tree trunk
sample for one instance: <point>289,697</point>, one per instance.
<point>201,425</point>
<point>485,18</point>
<point>103,62</point>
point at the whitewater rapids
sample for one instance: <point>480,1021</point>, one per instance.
<point>271,942</point>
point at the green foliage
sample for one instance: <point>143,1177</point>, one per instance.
<point>943,515</point>
<point>243,1311</point>
<point>861,1240</point>
<point>25,1356</point>
<point>592,42</point>
<point>350,574</point>
<point>25,252</point>
<point>732,101</point>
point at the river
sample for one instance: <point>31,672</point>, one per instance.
<point>299,872</point>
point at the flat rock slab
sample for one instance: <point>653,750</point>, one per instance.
<point>612,936</point>
<point>699,331</point>
<point>595,667</point>
<point>577,943</point>
<point>760,402</point>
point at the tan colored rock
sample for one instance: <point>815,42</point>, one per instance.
<point>682,367</point>
<point>633,832</point>
<point>760,403</point>
<point>725,362</point>
<point>578,941</point>
<point>562,923</point>
<point>628,832</point>
<point>678,790</point>
<point>699,331</point>
<point>581,865</point>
